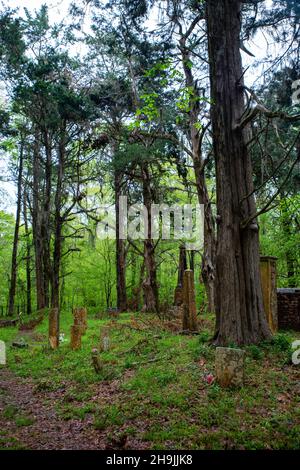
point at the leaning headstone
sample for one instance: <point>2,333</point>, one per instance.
<point>76,337</point>
<point>96,361</point>
<point>230,367</point>
<point>20,344</point>
<point>80,318</point>
<point>189,319</point>
<point>53,328</point>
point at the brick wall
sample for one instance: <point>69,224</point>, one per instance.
<point>288,301</point>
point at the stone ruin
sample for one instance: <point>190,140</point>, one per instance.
<point>288,301</point>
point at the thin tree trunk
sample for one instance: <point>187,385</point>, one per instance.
<point>120,247</point>
<point>14,266</point>
<point>150,288</point>
<point>55,271</point>
<point>45,227</point>
<point>239,304</point>
<point>36,225</point>
<point>57,249</point>
<point>28,257</point>
<point>209,249</point>
<point>196,137</point>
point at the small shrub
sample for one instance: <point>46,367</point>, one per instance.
<point>204,336</point>
<point>203,350</point>
<point>281,343</point>
<point>255,352</point>
<point>108,417</point>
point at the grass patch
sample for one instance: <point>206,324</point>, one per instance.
<point>23,421</point>
<point>10,411</point>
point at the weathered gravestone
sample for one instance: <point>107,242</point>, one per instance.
<point>189,318</point>
<point>104,339</point>
<point>96,361</point>
<point>80,318</point>
<point>268,281</point>
<point>76,331</point>
<point>230,367</point>
<point>53,328</point>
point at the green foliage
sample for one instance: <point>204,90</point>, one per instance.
<point>281,342</point>
<point>255,352</point>
<point>23,421</point>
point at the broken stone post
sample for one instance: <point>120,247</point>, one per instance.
<point>230,367</point>
<point>189,319</point>
<point>182,266</point>
<point>268,281</point>
<point>76,337</point>
<point>53,328</point>
<point>80,318</point>
<point>97,364</point>
<point>104,339</point>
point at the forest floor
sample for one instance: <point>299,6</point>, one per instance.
<point>156,390</point>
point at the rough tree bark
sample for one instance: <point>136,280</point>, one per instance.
<point>182,264</point>
<point>189,317</point>
<point>45,225</point>
<point>36,225</point>
<point>14,263</point>
<point>239,304</point>
<point>57,249</point>
<point>150,288</point>
<point>196,137</point>
<point>120,245</point>
<point>28,256</point>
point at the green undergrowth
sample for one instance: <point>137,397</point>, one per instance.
<point>153,385</point>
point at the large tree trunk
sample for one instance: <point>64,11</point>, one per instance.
<point>58,223</point>
<point>150,288</point>
<point>196,138</point>
<point>239,305</point>
<point>120,248</point>
<point>14,267</point>
<point>36,226</point>
<point>45,227</point>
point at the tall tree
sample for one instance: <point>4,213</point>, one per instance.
<point>239,305</point>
